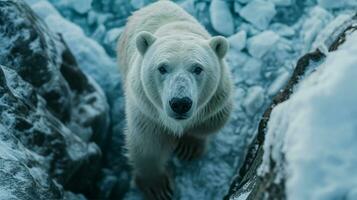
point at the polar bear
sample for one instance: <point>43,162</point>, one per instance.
<point>178,91</point>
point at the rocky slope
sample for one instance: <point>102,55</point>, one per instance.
<point>52,114</point>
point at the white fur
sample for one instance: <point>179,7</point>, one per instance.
<point>163,33</point>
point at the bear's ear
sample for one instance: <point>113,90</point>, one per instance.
<point>143,41</point>
<point>219,45</point>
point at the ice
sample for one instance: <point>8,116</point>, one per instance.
<point>221,17</point>
<point>238,40</point>
<point>260,44</point>
<point>111,37</point>
<point>237,6</point>
<point>278,83</point>
<point>282,30</point>
<point>282,2</point>
<point>316,130</point>
<point>254,100</point>
<point>336,4</point>
<point>259,13</point>
<point>316,20</point>
<point>81,6</point>
<point>138,3</point>
<point>244,1</point>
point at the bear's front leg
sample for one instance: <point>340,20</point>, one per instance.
<point>193,144</point>
<point>149,149</point>
<point>190,147</point>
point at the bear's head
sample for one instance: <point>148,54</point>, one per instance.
<point>180,74</point>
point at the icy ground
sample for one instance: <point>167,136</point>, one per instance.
<point>267,37</point>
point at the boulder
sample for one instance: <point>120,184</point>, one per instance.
<point>53,116</point>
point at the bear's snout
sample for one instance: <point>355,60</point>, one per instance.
<point>181,106</point>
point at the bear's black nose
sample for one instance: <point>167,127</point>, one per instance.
<point>180,105</point>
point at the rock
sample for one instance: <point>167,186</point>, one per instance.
<point>260,44</point>
<point>93,60</point>
<point>266,169</point>
<point>221,17</point>
<point>259,13</point>
<point>238,40</point>
<point>51,112</point>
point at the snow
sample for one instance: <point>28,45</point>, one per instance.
<point>260,44</point>
<point>259,13</point>
<point>238,40</point>
<point>316,130</point>
<point>221,17</point>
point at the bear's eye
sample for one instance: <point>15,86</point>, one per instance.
<point>197,70</point>
<point>162,69</point>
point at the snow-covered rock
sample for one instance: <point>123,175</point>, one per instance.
<point>316,130</point>
<point>238,40</point>
<point>259,13</point>
<point>262,43</point>
<point>51,112</point>
<point>304,147</point>
<point>221,17</point>
<point>93,60</point>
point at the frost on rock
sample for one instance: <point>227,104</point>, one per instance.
<point>315,129</point>
<point>221,17</point>
<point>259,13</point>
<point>51,112</point>
<point>260,44</point>
<point>93,59</point>
<point>306,134</point>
